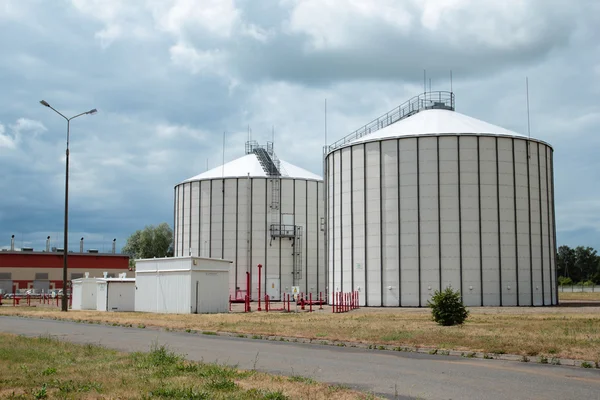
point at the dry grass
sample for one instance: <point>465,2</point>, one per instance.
<point>567,332</point>
<point>585,296</point>
<point>47,368</point>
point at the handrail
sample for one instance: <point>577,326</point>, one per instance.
<point>424,101</point>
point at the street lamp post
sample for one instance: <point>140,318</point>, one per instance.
<point>65,301</point>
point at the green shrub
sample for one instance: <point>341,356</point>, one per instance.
<point>447,308</point>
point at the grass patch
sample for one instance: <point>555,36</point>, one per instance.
<point>581,296</point>
<point>46,368</point>
<point>562,332</point>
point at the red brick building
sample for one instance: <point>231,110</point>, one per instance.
<point>43,270</point>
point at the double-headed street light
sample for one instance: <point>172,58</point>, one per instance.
<point>65,300</point>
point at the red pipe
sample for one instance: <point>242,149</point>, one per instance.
<point>259,277</point>
<point>333,304</point>
<point>248,291</point>
<point>288,296</point>
<point>229,302</point>
<point>310,301</point>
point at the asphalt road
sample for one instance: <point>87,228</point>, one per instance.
<point>390,374</point>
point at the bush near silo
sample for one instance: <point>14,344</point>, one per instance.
<point>447,308</point>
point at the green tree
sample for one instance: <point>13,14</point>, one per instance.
<point>447,307</point>
<point>579,264</point>
<point>152,241</point>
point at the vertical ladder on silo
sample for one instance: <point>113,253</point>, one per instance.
<point>297,253</point>
<point>275,190</point>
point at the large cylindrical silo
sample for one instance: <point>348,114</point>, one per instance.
<point>439,199</point>
<point>254,210</point>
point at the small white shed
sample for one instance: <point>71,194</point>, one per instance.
<point>182,285</point>
<point>116,294</point>
<point>84,293</point>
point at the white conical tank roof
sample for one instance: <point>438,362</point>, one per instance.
<point>437,122</point>
<point>249,164</point>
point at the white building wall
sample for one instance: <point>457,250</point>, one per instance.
<point>373,220</point>
<point>345,221</point>
<point>508,248</point>
<point>489,221</point>
<point>409,223</point>
<point>469,209</point>
<point>449,213</point>
<point>390,223</point>
<point>357,196</point>
<point>428,211</point>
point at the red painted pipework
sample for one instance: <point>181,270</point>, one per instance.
<point>259,279</point>
<point>310,301</point>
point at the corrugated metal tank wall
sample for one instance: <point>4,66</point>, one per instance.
<point>240,230</point>
<point>411,215</point>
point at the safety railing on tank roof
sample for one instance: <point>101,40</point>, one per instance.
<point>424,101</point>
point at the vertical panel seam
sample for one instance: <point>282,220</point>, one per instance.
<point>342,220</point>
<point>183,223</point>
<point>223,220</point>
<point>210,208</point>
<point>439,216</point>
<point>190,228</point>
<point>499,222</point>
<point>381,225</point>
<point>480,233</point>
<point>419,220</point>
<point>365,220</point>
<point>333,253</point>
<point>529,229</point>
<point>460,257</point>
<point>541,223</point>
<point>237,213</point>
<point>352,215</point>
<point>516,223</point>
<point>399,227</point>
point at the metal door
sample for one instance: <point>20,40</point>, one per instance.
<point>273,289</point>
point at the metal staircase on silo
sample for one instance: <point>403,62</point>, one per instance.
<point>272,166</point>
<point>440,100</point>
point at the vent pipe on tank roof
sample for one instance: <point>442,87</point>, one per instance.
<point>81,245</point>
<point>48,244</point>
<point>114,246</point>
<point>12,243</point>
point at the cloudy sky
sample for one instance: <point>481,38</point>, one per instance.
<point>170,76</point>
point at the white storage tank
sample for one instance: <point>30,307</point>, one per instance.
<point>254,210</point>
<point>426,198</point>
<point>182,285</point>
<point>116,294</point>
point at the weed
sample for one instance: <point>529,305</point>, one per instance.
<point>41,393</point>
<point>49,371</point>
<point>221,383</point>
<point>445,352</point>
<point>524,358</point>
<point>555,361</point>
<point>433,351</point>
<point>381,348</point>
<point>256,337</point>
<point>586,364</point>
<point>241,336</point>
<point>141,326</point>
<point>180,393</point>
<point>471,355</point>
<point>543,360</point>
<point>274,396</point>
<point>487,356</point>
<point>299,378</point>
